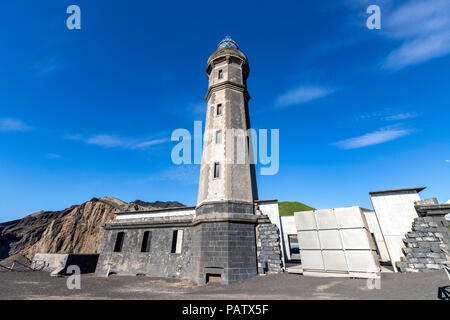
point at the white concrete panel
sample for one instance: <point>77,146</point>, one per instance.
<point>349,217</point>
<point>339,233</point>
<point>330,239</point>
<point>312,259</point>
<point>334,260</point>
<point>362,261</point>
<point>305,220</point>
<point>326,219</point>
<point>308,240</point>
<point>357,239</point>
<point>395,214</point>
<point>375,229</point>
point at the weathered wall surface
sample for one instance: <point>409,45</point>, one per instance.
<point>158,262</point>
<point>227,249</point>
<point>49,261</point>
<point>426,246</point>
<point>268,248</point>
<point>270,209</point>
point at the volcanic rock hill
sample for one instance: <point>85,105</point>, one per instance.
<point>73,230</point>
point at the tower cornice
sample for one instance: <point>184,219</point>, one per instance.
<point>227,85</point>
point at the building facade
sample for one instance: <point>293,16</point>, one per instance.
<point>227,234</point>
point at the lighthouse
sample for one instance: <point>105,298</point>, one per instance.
<point>225,213</point>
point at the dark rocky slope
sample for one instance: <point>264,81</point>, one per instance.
<point>73,230</point>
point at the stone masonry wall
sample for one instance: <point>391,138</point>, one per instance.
<point>268,248</point>
<point>426,247</point>
<point>224,248</point>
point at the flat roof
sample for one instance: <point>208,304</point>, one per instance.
<point>178,208</point>
<point>156,210</point>
<point>270,200</point>
<point>397,190</point>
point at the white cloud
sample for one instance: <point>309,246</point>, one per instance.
<point>423,26</point>
<point>149,143</point>
<point>9,124</point>
<point>52,156</point>
<point>186,174</point>
<point>113,141</point>
<point>302,94</point>
<point>401,116</point>
<point>387,115</point>
<point>448,161</point>
<point>46,66</point>
<point>376,137</point>
<point>108,141</point>
<point>198,108</point>
<point>75,137</point>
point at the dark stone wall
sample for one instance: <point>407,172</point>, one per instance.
<point>227,249</point>
<point>426,245</point>
<point>158,262</point>
<point>269,248</point>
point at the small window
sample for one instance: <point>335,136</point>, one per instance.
<point>216,170</point>
<point>220,74</point>
<point>119,242</point>
<point>218,137</point>
<point>177,241</point>
<point>146,241</point>
<point>219,109</point>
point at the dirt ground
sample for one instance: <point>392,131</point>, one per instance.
<point>39,285</point>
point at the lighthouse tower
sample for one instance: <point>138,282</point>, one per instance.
<point>225,212</point>
<point>227,176</point>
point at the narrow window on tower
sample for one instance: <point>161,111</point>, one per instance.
<point>219,109</point>
<point>146,241</point>
<point>119,242</point>
<point>216,170</point>
<point>218,137</point>
<point>177,241</point>
<point>220,74</point>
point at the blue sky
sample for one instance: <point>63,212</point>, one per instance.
<point>89,113</point>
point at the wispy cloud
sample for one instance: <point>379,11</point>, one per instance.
<point>46,66</point>
<point>302,94</point>
<point>376,137</point>
<point>402,116</point>
<point>9,124</point>
<point>423,26</point>
<point>186,174</point>
<point>448,161</point>
<point>197,108</point>
<point>52,156</point>
<point>74,137</point>
<point>113,141</point>
<point>386,115</point>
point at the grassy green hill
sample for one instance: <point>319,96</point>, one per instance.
<point>287,208</point>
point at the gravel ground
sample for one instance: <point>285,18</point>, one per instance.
<point>39,285</point>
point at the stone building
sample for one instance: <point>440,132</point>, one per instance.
<point>230,233</point>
